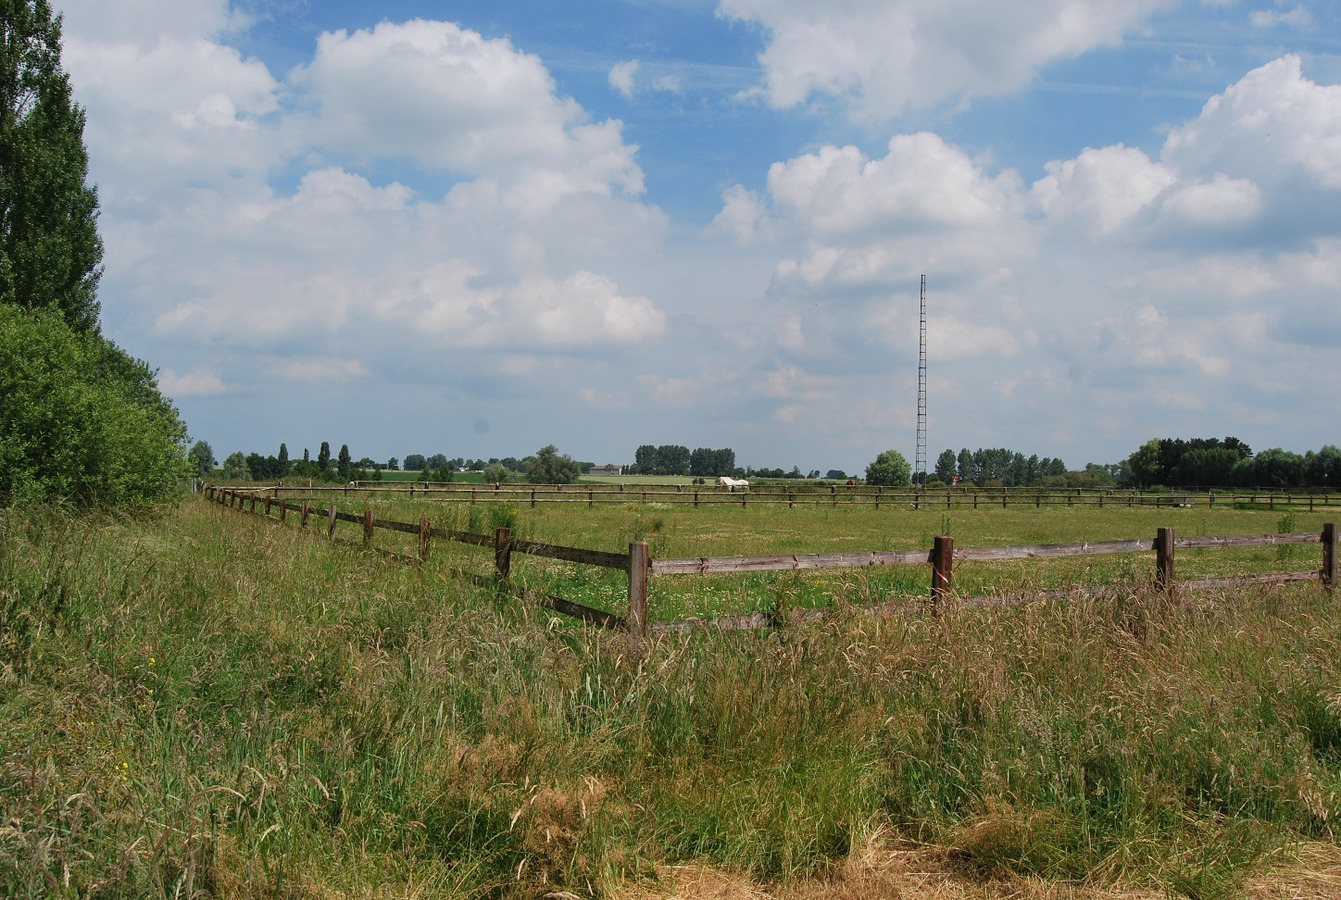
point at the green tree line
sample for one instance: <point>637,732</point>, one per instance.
<point>1229,462</point>
<point>674,459</point>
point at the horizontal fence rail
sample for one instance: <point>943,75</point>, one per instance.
<point>941,557</point>
<point>794,495</point>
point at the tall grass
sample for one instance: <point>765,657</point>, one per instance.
<point>204,704</point>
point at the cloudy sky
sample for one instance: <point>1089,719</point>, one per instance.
<point>478,227</point>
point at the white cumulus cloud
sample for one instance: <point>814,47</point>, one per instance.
<point>881,57</point>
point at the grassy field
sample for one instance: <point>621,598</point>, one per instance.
<point>199,703</point>
<point>674,531</point>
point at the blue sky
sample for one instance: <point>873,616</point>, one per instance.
<point>479,228</point>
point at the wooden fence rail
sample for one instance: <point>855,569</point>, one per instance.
<point>941,557</point>
<point>809,495</point>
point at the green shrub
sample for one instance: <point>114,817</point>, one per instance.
<point>82,421</point>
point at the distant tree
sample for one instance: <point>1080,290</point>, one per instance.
<point>1213,467</point>
<point>1274,468</point>
<point>343,464</point>
<point>549,467</point>
<point>443,473</point>
<point>496,473</point>
<point>836,475</point>
<point>945,467</point>
<point>1185,463</point>
<point>393,464</point>
<point>1323,469</point>
<point>324,457</point>
<point>438,461</point>
<point>964,465</point>
<point>891,469</point>
<point>283,460</point>
<point>202,459</point>
<point>708,463</point>
<point>1098,475</point>
<point>511,463</point>
<point>235,467</point>
<point>674,459</point>
<point>414,462</point>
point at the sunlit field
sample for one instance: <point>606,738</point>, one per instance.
<point>680,531</point>
<point>205,703</point>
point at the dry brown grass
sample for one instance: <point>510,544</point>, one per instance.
<point>905,871</point>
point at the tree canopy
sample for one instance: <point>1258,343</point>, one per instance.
<point>890,468</point>
<point>50,251</point>
<point>548,466</point>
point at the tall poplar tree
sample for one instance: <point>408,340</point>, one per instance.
<point>50,251</point>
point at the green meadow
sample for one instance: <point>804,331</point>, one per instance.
<point>199,702</point>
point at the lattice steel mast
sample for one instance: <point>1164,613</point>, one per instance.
<point>920,461</point>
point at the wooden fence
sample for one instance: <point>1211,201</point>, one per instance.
<point>794,495</point>
<point>638,565</point>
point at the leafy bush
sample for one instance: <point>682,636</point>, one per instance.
<point>82,421</point>
<point>890,469</point>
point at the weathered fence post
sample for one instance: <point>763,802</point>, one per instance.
<point>283,510</point>
<point>306,510</point>
<point>1329,544</point>
<point>330,533</point>
<point>942,568</point>
<point>640,566</point>
<point>425,530</point>
<point>503,554</point>
<point>253,503</point>
<point>367,528</point>
<point>1164,582</point>
<point>267,506</point>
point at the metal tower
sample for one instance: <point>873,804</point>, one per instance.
<point>920,462</point>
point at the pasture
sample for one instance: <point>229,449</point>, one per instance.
<point>204,703</point>
<point>683,531</point>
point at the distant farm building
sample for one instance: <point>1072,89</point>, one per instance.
<point>606,470</point>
